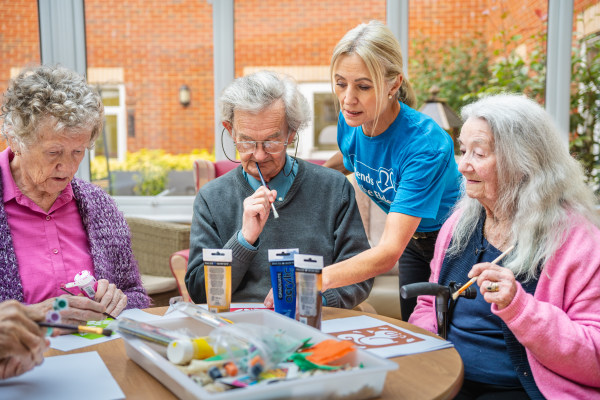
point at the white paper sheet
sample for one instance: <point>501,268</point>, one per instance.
<point>381,338</point>
<point>70,377</point>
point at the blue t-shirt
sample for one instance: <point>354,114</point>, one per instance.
<point>409,168</point>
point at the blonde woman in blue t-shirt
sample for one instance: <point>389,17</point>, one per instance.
<point>401,158</point>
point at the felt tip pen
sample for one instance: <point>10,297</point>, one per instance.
<point>73,294</point>
<point>79,328</point>
<point>262,179</point>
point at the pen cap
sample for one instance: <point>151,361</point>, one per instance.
<point>183,351</point>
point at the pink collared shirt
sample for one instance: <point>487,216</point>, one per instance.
<point>51,247</point>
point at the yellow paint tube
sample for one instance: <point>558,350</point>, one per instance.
<point>217,279</point>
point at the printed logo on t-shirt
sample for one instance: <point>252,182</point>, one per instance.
<point>377,183</point>
<point>386,180</point>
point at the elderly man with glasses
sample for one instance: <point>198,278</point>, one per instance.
<point>263,112</point>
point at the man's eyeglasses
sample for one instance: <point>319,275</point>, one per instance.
<point>269,146</point>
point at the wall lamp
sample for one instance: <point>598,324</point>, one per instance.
<point>184,95</point>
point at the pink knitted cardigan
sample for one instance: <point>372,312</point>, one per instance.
<point>559,325</point>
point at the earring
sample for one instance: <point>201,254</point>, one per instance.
<point>390,97</point>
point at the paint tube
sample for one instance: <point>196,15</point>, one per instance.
<point>309,280</point>
<point>283,280</point>
<point>217,279</point>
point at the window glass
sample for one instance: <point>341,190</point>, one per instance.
<point>325,121</point>
<point>110,97</point>
<point>141,56</point>
<point>107,141</point>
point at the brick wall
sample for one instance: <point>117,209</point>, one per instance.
<point>19,38</point>
<point>163,44</point>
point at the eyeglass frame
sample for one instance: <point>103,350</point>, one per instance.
<point>285,144</point>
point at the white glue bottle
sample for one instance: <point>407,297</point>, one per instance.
<point>86,283</point>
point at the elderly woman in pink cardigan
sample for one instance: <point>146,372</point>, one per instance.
<point>54,226</point>
<point>534,329</point>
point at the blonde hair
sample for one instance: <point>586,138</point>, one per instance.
<point>376,45</point>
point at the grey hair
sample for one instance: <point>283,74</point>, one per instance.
<point>50,92</point>
<point>255,92</point>
<point>541,188</point>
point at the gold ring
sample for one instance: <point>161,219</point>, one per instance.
<point>494,287</point>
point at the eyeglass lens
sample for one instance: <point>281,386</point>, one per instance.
<point>271,147</point>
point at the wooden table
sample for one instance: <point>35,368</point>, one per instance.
<point>432,375</point>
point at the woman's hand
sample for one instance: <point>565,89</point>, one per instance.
<point>269,300</point>
<point>256,212</point>
<point>497,285</point>
<point>111,297</point>
<point>78,312</point>
<point>22,341</point>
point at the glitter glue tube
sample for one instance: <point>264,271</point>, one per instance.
<point>309,280</point>
<point>283,280</point>
<point>86,282</point>
<point>217,279</point>
<point>183,351</point>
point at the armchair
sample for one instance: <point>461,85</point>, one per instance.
<point>152,243</point>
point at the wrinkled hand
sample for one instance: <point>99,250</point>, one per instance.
<point>256,212</point>
<point>489,274</point>
<point>269,302</point>
<point>80,310</point>
<point>22,341</point>
<point>111,297</point>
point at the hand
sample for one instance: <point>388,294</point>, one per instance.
<point>111,297</point>
<point>80,310</point>
<point>490,276</point>
<point>269,300</point>
<point>22,341</point>
<point>256,212</point>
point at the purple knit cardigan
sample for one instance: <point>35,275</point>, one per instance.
<point>110,246</point>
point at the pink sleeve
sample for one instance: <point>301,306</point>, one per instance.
<point>424,314</point>
<point>564,313</point>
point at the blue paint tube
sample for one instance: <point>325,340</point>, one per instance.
<point>283,280</point>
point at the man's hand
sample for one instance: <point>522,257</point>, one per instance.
<point>256,212</point>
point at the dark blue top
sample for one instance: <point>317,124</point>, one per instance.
<point>477,334</point>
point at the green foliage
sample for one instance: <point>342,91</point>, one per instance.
<point>457,68</point>
<point>152,165</point>
<point>585,110</point>
<point>511,72</point>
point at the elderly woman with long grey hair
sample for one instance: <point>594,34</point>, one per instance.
<point>54,226</point>
<point>534,330</point>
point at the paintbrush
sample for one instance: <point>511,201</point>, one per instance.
<point>474,279</point>
<point>73,294</point>
<point>262,179</point>
<point>79,328</point>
